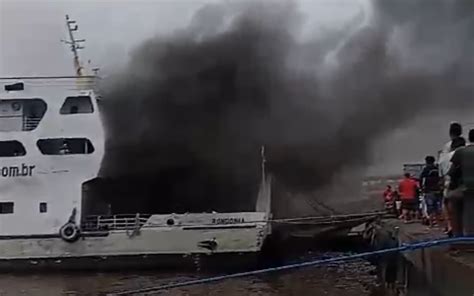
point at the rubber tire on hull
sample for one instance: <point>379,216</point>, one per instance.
<point>69,232</point>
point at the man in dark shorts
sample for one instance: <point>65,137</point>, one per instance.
<point>408,189</point>
<point>431,187</point>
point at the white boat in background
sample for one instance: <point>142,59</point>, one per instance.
<point>52,143</point>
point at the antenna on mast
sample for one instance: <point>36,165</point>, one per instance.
<point>75,44</point>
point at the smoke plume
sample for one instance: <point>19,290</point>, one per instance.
<point>187,118</point>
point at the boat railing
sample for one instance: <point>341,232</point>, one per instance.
<point>30,123</point>
<point>114,222</point>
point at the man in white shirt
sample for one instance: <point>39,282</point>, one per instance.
<point>457,141</point>
<point>461,188</point>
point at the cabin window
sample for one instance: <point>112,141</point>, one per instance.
<point>21,114</point>
<point>65,146</point>
<point>43,207</point>
<point>11,149</point>
<point>6,208</point>
<point>76,105</point>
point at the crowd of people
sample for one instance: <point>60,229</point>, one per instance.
<point>443,194</point>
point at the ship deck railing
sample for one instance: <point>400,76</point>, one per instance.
<point>114,222</point>
<point>30,123</point>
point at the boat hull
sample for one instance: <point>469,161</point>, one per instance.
<point>146,247</point>
<point>323,227</point>
<point>155,262</point>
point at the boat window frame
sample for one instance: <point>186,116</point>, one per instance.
<point>9,203</point>
<point>43,103</point>
<point>23,151</point>
<point>64,105</point>
<point>87,142</point>
<point>43,207</point>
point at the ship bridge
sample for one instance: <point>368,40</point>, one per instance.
<point>51,142</point>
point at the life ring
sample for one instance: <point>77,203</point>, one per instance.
<point>170,222</point>
<point>69,232</point>
<point>16,106</point>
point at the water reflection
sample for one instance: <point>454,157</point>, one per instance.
<point>352,279</point>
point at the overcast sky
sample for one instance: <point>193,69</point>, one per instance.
<point>30,30</point>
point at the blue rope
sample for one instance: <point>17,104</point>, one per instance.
<point>402,248</point>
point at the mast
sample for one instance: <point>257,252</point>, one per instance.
<point>75,44</point>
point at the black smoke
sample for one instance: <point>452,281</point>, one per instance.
<point>187,118</point>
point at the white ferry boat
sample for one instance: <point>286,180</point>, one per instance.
<point>52,143</point>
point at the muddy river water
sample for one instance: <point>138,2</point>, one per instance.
<point>352,279</point>
<point>358,278</point>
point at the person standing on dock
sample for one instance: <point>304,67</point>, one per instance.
<point>388,197</point>
<point>408,189</point>
<point>461,190</point>
<point>456,138</point>
<point>456,141</point>
<point>431,188</point>
<point>387,194</point>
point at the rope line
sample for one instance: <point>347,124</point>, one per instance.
<point>312,220</point>
<point>402,248</point>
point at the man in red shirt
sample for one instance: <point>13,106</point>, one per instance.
<point>408,189</point>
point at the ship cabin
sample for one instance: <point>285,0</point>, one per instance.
<point>51,142</point>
